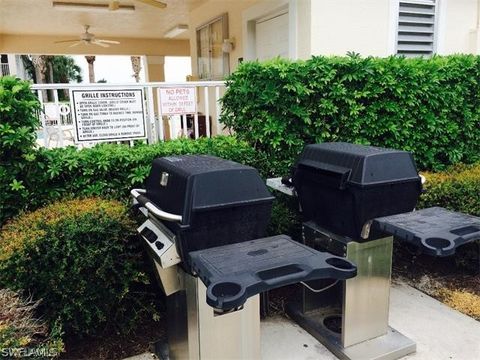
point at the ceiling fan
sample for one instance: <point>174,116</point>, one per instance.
<point>88,38</point>
<point>115,4</point>
<point>112,5</point>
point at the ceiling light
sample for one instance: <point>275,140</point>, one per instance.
<point>63,5</point>
<point>175,31</point>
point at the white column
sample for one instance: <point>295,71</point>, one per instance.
<point>12,64</point>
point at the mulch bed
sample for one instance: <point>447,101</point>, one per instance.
<point>459,271</point>
<point>112,345</point>
<point>439,277</point>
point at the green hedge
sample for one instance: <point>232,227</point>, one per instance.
<point>80,258</point>
<point>18,124</point>
<point>108,170</point>
<point>428,106</point>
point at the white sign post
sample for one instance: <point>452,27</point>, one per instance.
<point>178,101</point>
<point>108,114</point>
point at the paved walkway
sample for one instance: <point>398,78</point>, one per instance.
<point>440,332</point>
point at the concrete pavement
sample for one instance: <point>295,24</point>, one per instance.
<point>440,332</point>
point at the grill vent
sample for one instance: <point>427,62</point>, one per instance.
<point>416,28</point>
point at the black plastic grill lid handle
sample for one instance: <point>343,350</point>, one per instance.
<point>339,175</point>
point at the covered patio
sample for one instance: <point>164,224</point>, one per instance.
<point>143,31</point>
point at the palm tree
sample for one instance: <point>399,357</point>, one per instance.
<point>65,70</point>
<point>52,69</point>
<point>91,69</point>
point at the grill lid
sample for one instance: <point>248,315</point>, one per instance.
<point>362,165</point>
<point>186,184</point>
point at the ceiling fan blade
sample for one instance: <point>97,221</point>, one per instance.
<point>65,41</point>
<point>76,44</point>
<point>155,3</point>
<point>108,41</point>
<point>95,42</point>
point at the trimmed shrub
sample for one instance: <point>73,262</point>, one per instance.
<point>19,329</point>
<point>286,218</point>
<point>79,257</point>
<point>18,125</point>
<point>430,107</point>
<point>457,189</point>
<point>111,170</point>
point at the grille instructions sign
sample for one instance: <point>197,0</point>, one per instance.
<point>178,101</point>
<point>108,114</point>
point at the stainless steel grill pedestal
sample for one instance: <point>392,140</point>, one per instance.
<point>351,318</point>
<point>197,331</point>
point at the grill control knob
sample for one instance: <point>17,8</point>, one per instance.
<point>149,235</point>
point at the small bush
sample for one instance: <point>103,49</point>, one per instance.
<point>286,218</point>
<point>457,189</point>
<point>112,170</point>
<point>20,329</point>
<point>79,257</point>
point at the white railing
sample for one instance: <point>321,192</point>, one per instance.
<point>58,128</point>
<point>4,69</point>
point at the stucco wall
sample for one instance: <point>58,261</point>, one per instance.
<point>211,10</point>
<point>334,27</point>
<point>362,26</point>
<point>457,23</point>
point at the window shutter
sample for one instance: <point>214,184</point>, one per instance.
<point>416,28</point>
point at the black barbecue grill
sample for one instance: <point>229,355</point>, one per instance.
<point>355,199</point>
<point>353,191</point>
<point>219,202</point>
<point>342,186</point>
<point>207,218</point>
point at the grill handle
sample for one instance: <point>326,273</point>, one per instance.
<point>137,194</point>
<point>336,176</point>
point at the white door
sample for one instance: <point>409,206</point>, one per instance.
<point>271,37</point>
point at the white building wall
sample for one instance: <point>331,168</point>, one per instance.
<point>458,27</point>
<point>340,26</point>
<point>335,27</point>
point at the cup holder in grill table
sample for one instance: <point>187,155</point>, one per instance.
<point>435,231</point>
<point>233,273</point>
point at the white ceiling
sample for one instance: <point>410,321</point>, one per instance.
<point>38,17</point>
